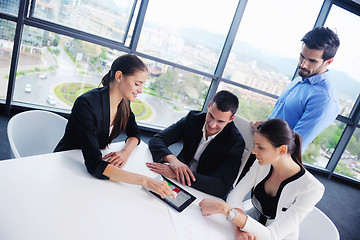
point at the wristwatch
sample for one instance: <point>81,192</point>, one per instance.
<point>232,214</point>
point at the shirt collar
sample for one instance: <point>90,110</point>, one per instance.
<point>210,137</point>
<point>316,78</point>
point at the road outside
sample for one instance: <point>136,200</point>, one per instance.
<point>44,81</point>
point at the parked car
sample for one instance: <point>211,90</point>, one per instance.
<point>51,100</point>
<point>28,88</point>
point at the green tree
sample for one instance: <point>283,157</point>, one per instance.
<point>252,110</point>
<point>354,146</point>
<point>103,53</point>
<point>329,137</point>
<point>311,153</point>
<point>192,90</point>
<point>163,84</point>
<point>180,87</point>
<point>55,42</point>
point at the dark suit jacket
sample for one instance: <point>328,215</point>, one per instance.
<point>88,129</point>
<point>218,165</point>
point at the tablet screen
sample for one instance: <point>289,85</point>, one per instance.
<point>182,198</point>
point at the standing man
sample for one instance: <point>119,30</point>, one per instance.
<point>212,147</point>
<point>310,103</point>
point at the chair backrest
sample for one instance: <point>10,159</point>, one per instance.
<point>35,132</point>
<point>245,129</point>
<point>316,225</point>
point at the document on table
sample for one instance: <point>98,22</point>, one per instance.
<point>192,225</point>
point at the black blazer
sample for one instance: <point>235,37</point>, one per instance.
<point>218,165</point>
<point>88,129</point>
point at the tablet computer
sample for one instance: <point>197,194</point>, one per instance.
<point>182,200</point>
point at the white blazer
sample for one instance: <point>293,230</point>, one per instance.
<point>297,199</point>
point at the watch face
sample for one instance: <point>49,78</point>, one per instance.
<point>232,214</point>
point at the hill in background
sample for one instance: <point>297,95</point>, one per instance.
<point>246,52</point>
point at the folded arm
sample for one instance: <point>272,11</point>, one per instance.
<point>159,144</point>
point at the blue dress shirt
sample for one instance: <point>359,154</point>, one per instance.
<point>308,105</point>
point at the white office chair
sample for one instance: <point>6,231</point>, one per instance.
<point>245,129</point>
<point>35,132</point>
<point>316,225</point>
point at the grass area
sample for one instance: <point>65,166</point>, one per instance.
<point>84,73</point>
<point>35,70</point>
<point>68,92</point>
<point>343,169</point>
<point>154,93</point>
<point>176,108</point>
<point>140,109</point>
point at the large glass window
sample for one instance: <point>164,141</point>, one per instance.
<point>171,92</point>
<point>10,6</point>
<point>320,150</point>
<point>349,164</point>
<point>130,31</point>
<point>345,67</point>
<point>54,70</point>
<point>110,19</point>
<point>7,33</point>
<point>190,33</point>
<point>266,49</point>
<point>252,106</point>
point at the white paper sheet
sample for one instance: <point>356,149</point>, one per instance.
<point>192,225</point>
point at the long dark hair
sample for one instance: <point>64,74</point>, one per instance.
<point>278,133</point>
<point>128,64</point>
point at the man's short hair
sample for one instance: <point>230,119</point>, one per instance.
<point>322,38</point>
<point>226,101</point>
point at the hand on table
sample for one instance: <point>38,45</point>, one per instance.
<point>210,206</point>
<point>241,235</point>
<point>161,169</point>
<point>182,171</point>
<point>117,159</point>
<point>159,187</point>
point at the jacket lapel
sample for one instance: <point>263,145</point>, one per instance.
<point>195,137</point>
<point>105,124</point>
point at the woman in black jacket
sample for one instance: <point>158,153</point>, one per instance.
<point>101,114</point>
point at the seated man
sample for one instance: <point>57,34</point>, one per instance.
<point>212,147</point>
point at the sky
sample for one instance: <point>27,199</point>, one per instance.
<point>348,28</point>
<point>202,14</point>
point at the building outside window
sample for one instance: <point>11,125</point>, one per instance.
<point>7,33</point>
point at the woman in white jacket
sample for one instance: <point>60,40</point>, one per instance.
<point>282,191</point>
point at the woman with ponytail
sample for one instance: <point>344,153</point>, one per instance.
<point>101,114</point>
<point>282,191</point>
